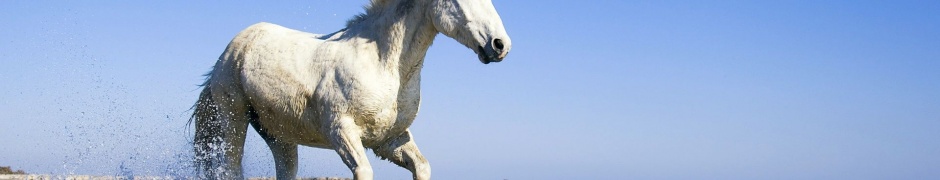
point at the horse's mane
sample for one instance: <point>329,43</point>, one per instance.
<point>374,7</point>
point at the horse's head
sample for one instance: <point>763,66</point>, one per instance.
<point>473,23</point>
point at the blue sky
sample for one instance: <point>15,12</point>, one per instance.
<point>591,90</point>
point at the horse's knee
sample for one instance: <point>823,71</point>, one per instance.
<point>404,152</point>
<point>363,173</point>
<point>422,170</point>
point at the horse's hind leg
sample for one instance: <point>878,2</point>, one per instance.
<point>220,135</point>
<point>236,114</point>
<point>285,153</point>
<point>345,138</point>
<point>402,151</point>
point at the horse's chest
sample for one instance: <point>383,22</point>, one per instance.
<point>405,110</point>
<point>409,101</point>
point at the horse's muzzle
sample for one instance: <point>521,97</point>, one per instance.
<point>489,55</point>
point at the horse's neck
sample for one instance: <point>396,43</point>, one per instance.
<point>403,39</point>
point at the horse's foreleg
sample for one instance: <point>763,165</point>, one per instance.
<point>402,151</point>
<point>345,139</point>
<point>285,155</point>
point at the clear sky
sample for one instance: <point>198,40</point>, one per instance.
<point>591,90</point>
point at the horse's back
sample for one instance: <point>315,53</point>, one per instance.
<point>266,39</point>
<point>267,54</point>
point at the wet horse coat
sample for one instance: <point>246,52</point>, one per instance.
<point>350,90</point>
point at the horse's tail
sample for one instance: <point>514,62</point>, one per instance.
<point>207,142</point>
<point>204,109</point>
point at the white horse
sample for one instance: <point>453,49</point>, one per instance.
<point>350,90</point>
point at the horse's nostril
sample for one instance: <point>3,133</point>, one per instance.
<point>498,43</point>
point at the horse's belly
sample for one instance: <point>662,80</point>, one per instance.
<point>293,130</point>
<point>307,132</point>
<point>375,131</point>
